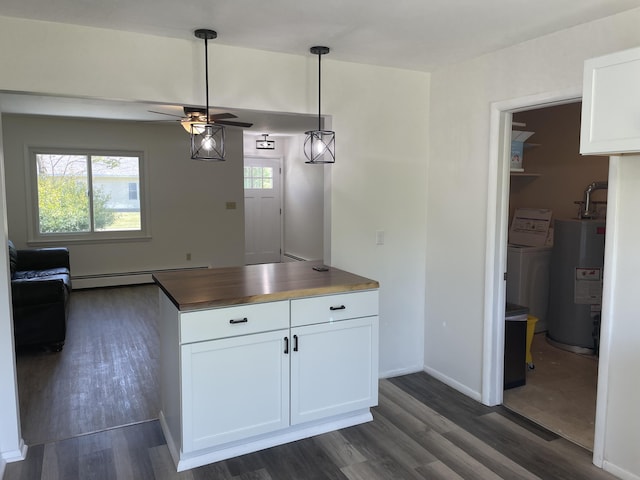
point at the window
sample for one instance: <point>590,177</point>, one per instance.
<point>86,195</point>
<point>258,177</point>
<point>133,191</point>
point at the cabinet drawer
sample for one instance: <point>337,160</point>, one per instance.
<point>232,321</point>
<point>331,308</point>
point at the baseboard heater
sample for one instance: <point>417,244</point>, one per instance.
<point>118,279</point>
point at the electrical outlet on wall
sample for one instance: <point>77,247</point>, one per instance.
<point>188,257</point>
<point>380,237</point>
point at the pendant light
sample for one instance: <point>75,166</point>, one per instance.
<point>320,145</point>
<point>207,138</point>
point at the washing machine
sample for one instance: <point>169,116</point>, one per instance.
<point>528,271</point>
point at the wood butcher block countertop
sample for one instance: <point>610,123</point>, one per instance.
<point>217,287</point>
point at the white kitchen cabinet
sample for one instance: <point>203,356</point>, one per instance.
<point>611,104</point>
<point>333,368</point>
<point>234,388</point>
<point>252,371</point>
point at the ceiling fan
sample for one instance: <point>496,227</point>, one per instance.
<point>199,115</point>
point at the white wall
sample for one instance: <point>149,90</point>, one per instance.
<point>378,184</point>
<point>11,444</point>
<point>619,392</point>
<point>380,117</point>
<point>303,203</point>
<point>459,165</point>
<point>187,198</point>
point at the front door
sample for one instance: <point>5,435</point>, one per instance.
<point>262,209</point>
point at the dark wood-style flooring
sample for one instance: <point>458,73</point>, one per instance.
<point>422,429</point>
<point>105,376</point>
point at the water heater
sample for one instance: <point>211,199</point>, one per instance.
<point>575,284</point>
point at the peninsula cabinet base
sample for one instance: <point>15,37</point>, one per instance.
<point>260,442</point>
<point>269,354</point>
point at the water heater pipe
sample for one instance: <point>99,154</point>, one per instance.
<point>586,212</point>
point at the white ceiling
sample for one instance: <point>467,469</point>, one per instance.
<point>412,34</point>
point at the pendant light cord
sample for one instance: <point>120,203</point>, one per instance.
<point>206,75</point>
<point>319,88</point>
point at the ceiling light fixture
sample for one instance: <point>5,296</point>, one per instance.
<point>320,145</point>
<point>207,138</point>
<point>265,144</point>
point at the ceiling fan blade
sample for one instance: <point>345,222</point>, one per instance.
<point>222,116</point>
<point>163,113</point>
<point>234,124</point>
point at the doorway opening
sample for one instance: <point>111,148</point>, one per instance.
<point>262,209</point>
<point>559,390</point>
<point>496,253</point>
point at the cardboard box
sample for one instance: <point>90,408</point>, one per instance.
<point>517,149</point>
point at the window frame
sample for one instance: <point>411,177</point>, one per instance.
<point>33,215</point>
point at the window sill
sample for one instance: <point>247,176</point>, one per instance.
<point>75,240</point>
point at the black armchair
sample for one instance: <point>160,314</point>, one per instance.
<point>40,288</point>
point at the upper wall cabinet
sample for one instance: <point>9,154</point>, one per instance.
<point>611,104</point>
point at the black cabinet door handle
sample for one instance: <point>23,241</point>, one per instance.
<point>341,307</point>
<point>286,345</point>
<point>295,343</point>
<point>233,321</point>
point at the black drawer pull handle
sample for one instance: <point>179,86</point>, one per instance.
<point>286,345</point>
<point>295,343</point>
<point>341,307</point>
<point>233,321</point>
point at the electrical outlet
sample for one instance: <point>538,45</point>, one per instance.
<point>380,237</point>
<point>188,257</point>
<point>231,205</point>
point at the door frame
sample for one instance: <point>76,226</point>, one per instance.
<point>279,160</point>
<point>496,252</point>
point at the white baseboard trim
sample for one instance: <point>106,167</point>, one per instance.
<point>13,456</point>
<point>619,472</point>
<point>173,448</point>
<point>400,371</point>
<point>477,396</point>
<point>291,434</point>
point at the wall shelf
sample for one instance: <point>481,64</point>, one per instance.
<point>525,174</point>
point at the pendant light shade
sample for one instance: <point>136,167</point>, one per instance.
<point>207,142</point>
<point>207,138</point>
<point>320,145</point>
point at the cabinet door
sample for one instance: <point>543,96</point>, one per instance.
<point>334,368</point>
<point>611,104</point>
<point>234,388</point>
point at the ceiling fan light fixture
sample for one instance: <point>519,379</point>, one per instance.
<point>320,145</point>
<point>207,138</point>
<point>190,124</point>
<point>265,144</point>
